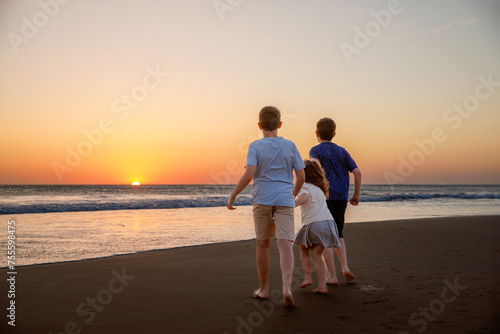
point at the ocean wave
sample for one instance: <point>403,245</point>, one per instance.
<point>121,205</point>
<point>198,202</point>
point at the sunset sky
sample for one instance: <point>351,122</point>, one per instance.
<point>163,92</point>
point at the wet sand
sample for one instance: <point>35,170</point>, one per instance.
<point>438,275</point>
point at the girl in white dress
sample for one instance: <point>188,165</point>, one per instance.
<point>318,230</point>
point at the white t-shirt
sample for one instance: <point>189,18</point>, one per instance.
<point>275,159</point>
<point>315,209</point>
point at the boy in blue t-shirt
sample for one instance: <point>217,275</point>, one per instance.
<point>270,163</point>
<point>337,164</point>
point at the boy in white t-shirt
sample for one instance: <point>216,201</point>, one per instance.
<point>270,163</point>
<point>318,231</point>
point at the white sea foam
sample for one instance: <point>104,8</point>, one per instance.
<point>67,236</point>
<point>45,199</point>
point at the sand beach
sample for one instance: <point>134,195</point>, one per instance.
<point>412,276</point>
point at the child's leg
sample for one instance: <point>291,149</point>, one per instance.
<point>306,266</point>
<point>337,209</point>
<point>263,267</point>
<point>284,223</point>
<point>263,223</point>
<point>317,254</point>
<point>342,254</point>
<point>330,265</point>
<point>286,262</point>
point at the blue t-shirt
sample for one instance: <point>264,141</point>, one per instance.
<point>337,164</point>
<point>274,159</point>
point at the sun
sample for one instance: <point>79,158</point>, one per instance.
<point>135,183</point>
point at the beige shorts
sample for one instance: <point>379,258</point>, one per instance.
<point>273,220</point>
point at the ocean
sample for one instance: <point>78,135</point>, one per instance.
<point>57,223</point>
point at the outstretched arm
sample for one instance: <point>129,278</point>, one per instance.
<point>242,183</point>
<point>357,187</point>
<point>300,177</point>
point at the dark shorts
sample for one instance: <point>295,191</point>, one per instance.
<point>337,209</point>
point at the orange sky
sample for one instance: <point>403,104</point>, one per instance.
<point>165,93</point>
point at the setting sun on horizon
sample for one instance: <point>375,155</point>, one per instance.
<point>170,91</point>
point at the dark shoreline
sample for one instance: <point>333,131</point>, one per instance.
<point>400,267</point>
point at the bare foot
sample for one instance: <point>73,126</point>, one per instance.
<point>349,276</point>
<point>320,289</point>
<point>305,283</point>
<point>332,281</point>
<point>260,294</point>
<point>288,300</point>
